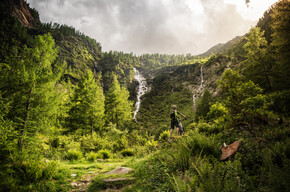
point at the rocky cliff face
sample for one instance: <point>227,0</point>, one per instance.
<point>21,11</point>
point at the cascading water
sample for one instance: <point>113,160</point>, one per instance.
<point>198,90</point>
<point>141,90</point>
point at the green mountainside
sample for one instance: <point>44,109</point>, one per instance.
<point>222,48</point>
<point>66,115</point>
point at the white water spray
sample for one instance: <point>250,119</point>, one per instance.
<point>200,88</point>
<point>141,90</point>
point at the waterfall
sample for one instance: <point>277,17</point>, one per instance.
<point>199,90</point>
<point>141,90</point>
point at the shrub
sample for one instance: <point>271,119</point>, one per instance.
<point>217,110</point>
<point>154,175</point>
<point>164,136</point>
<point>203,127</point>
<point>92,156</point>
<point>74,155</point>
<point>200,144</point>
<point>49,170</point>
<point>26,170</point>
<point>120,144</point>
<point>209,129</point>
<point>127,153</point>
<point>54,142</point>
<point>151,145</point>
<point>104,154</point>
<point>91,142</point>
<point>276,166</point>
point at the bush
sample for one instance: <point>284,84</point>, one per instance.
<point>91,142</point>
<point>92,156</point>
<point>104,154</point>
<point>209,129</point>
<point>127,153</point>
<point>217,110</point>
<point>73,155</point>
<point>203,127</point>
<point>164,136</point>
<point>154,175</point>
<point>151,145</point>
<point>276,166</point>
<point>26,170</point>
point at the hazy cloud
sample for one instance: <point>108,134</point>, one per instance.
<point>148,26</point>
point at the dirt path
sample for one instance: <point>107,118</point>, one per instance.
<point>106,176</point>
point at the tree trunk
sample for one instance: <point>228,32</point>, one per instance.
<point>117,120</point>
<point>23,134</point>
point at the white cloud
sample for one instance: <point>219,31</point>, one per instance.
<point>148,26</point>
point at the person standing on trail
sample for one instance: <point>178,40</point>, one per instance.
<point>174,120</point>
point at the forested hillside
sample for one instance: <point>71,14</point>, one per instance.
<point>66,117</point>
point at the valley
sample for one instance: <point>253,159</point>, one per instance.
<point>74,117</point>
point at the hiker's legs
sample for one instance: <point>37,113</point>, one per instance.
<point>171,127</point>
<point>177,130</point>
<point>171,130</point>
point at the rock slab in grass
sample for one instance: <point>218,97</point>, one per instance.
<point>117,183</point>
<point>229,150</point>
<point>118,179</point>
<point>120,171</point>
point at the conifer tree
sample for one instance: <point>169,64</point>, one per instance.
<point>88,107</point>
<point>29,84</point>
<point>257,65</point>
<point>281,43</point>
<point>118,107</point>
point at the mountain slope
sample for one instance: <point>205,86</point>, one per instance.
<point>222,48</point>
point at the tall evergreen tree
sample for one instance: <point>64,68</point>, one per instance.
<point>28,82</point>
<point>88,105</point>
<point>118,107</point>
<point>281,43</point>
<point>257,65</point>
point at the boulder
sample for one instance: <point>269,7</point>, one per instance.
<point>120,171</point>
<point>230,150</point>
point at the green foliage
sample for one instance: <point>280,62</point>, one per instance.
<point>217,111</point>
<point>203,104</point>
<point>27,170</point>
<point>154,174</point>
<point>34,97</point>
<point>276,161</point>
<point>235,90</point>
<point>88,107</point>
<point>104,154</point>
<point>127,153</point>
<point>280,102</point>
<point>164,136</point>
<point>280,26</point>
<point>257,66</point>
<point>91,142</point>
<point>208,129</point>
<point>92,156</point>
<point>154,61</point>
<point>120,64</point>
<point>73,155</point>
<point>118,107</point>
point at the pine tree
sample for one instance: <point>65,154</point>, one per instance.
<point>281,43</point>
<point>118,107</point>
<point>257,65</point>
<point>88,107</point>
<point>29,83</point>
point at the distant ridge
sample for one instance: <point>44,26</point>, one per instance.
<point>221,47</point>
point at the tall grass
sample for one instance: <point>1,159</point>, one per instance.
<point>26,171</point>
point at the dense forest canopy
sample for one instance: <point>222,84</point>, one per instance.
<point>67,106</point>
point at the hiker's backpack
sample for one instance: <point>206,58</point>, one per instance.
<point>173,115</point>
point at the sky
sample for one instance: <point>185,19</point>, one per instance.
<point>155,26</point>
